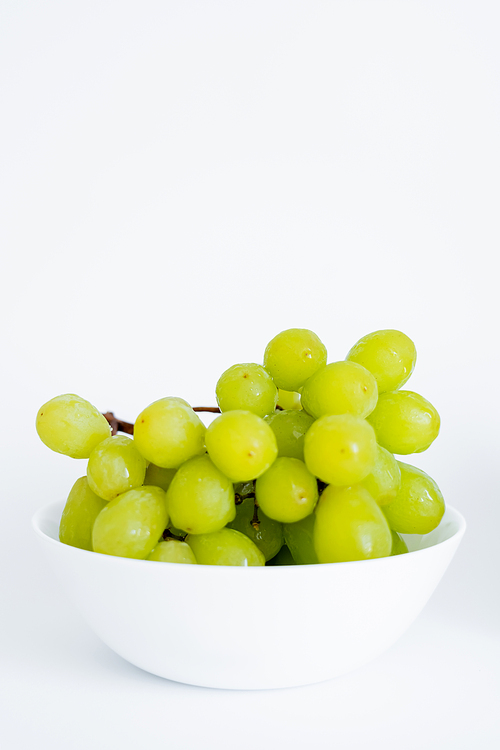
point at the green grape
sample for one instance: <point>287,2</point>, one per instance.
<point>284,557</point>
<point>200,499</point>
<point>159,477</point>
<point>384,480</point>
<point>340,388</point>
<point>399,546</point>
<point>419,505</point>
<point>289,399</point>
<point>340,449</point>
<point>299,540</point>
<point>293,356</point>
<point>389,355</point>
<point>175,531</point>
<point>244,489</point>
<point>268,536</point>
<point>241,445</point>
<point>289,428</point>
<point>68,424</point>
<point>131,524</point>
<point>172,551</point>
<point>225,547</point>
<point>349,526</point>
<point>249,387</point>
<point>77,520</point>
<point>115,466</point>
<point>287,491</point>
<point>168,432</point>
<point>404,422</point>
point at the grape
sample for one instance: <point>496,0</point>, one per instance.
<point>289,399</point>
<point>284,557</point>
<point>289,428</point>
<point>384,480</point>
<point>225,547</point>
<point>115,466</point>
<point>168,432</point>
<point>293,356</point>
<point>299,540</point>
<point>131,524</point>
<point>404,422</point>
<point>419,506</point>
<point>200,499</point>
<point>249,387</point>
<point>268,536</point>
<point>68,424</point>
<point>340,388</point>
<point>349,526</point>
<point>244,489</point>
<point>77,520</point>
<point>399,546</point>
<point>172,551</point>
<point>159,477</point>
<point>287,491</point>
<point>241,445</point>
<point>340,449</point>
<point>389,355</point>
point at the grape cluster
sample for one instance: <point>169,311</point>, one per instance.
<point>298,468</point>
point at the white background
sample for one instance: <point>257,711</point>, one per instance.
<point>179,182</point>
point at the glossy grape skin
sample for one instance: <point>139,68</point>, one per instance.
<point>419,505</point>
<point>399,546</point>
<point>287,491</point>
<point>200,499</point>
<point>249,387</point>
<point>289,399</point>
<point>159,477</point>
<point>293,356</point>
<point>173,551</point>
<point>168,432</point>
<point>404,422</point>
<point>289,427</point>
<point>384,480</point>
<point>268,537</point>
<point>115,466</point>
<point>241,445</point>
<point>70,425</point>
<point>350,526</point>
<point>77,520</point>
<point>299,540</point>
<point>131,524</point>
<point>284,557</point>
<point>225,547</point>
<point>340,388</point>
<point>389,355</point>
<point>340,449</point>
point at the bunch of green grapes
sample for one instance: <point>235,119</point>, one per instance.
<point>299,467</point>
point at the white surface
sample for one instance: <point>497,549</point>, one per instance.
<point>181,181</point>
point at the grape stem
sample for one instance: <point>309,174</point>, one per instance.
<point>119,425</point>
<point>255,520</point>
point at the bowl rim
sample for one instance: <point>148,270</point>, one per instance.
<point>50,508</point>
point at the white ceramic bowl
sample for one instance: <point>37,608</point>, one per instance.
<point>249,628</point>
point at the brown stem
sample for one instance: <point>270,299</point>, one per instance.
<point>255,520</point>
<point>118,425</point>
